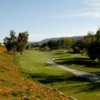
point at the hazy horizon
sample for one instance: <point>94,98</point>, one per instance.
<point>49,18</point>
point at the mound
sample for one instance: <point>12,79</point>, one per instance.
<point>13,86</point>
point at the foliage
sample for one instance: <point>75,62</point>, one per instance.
<point>77,46</point>
<point>94,48</point>
<point>14,43</point>
<point>52,44</point>
<point>88,39</point>
<point>28,46</point>
<point>10,42</point>
<point>22,41</point>
<point>64,43</point>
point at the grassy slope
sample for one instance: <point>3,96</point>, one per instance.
<point>34,64</point>
<point>2,48</point>
<point>13,86</point>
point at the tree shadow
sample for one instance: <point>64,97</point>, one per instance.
<point>80,61</point>
<point>48,79</point>
<point>78,84</point>
<point>90,87</point>
<point>97,73</point>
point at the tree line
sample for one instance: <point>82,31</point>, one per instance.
<point>16,43</point>
<point>64,43</point>
<point>89,44</point>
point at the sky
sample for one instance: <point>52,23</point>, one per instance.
<point>49,18</point>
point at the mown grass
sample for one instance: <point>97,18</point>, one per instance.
<point>33,63</point>
<point>79,62</point>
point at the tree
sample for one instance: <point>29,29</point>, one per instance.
<point>43,45</point>
<point>78,45</point>
<point>94,48</point>
<point>83,45</point>
<point>7,43</point>
<point>67,44</point>
<point>94,51</point>
<point>61,42</point>
<point>88,39</point>
<point>13,40</point>
<point>22,41</point>
<point>97,35</point>
<point>10,42</point>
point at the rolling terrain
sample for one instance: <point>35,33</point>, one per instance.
<point>35,66</point>
<point>14,86</point>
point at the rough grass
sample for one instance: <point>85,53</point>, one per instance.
<point>34,66</point>
<point>13,86</point>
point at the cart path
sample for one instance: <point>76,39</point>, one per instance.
<point>90,76</point>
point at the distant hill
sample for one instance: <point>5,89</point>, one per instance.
<point>55,39</point>
<point>46,40</point>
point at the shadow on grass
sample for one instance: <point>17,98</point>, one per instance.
<point>90,87</point>
<point>80,61</point>
<point>73,82</point>
<point>58,79</point>
<point>97,73</point>
<point>48,79</point>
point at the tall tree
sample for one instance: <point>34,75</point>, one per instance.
<point>13,40</point>
<point>10,42</point>
<point>97,35</point>
<point>94,49</point>
<point>22,41</point>
<point>7,43</point>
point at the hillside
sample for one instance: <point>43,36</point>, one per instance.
<point>13,86</point>
<point>2,48</point>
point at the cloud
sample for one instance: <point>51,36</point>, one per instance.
<point>87,9</point>
<point>93,3</point>
<point>86,14</point>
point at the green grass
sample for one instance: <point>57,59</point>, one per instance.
<point>79,62</point>
<point>33,63</point>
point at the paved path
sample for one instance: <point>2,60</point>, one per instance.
<point>90,76</point>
